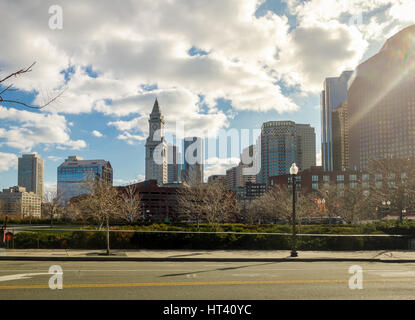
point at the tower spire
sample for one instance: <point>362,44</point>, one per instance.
<point>156,108</point>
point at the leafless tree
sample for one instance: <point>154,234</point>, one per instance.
<point>130,203</point>
<point>277,203</point>
<point>103,203</point>
<point>51,205</point>
<point>394,181</point>
<point>352,204</point>
<point>332,200</point>
<point>9,88</point>
<point>211,202</point>
<point>254,213</point>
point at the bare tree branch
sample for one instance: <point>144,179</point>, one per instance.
<point>15,101</point>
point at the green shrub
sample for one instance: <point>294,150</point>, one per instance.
<point>130,240</point>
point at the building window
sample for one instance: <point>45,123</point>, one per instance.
<point>365,185</point>
<point>378,176</point>
<point>340,178</point>
<point>353,185</point>
<point>315,186</point>
<point>315,178</point>
<point>378,184</point>
<point>340,186</point>
<point>365,177</point>
<point>353,177</point>
<point>326,178</point>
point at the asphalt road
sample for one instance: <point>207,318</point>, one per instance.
<point>207,281</point>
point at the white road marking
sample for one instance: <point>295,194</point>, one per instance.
<point>395,273</point>
<point>20,276</point>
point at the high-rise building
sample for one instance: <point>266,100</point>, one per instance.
<point>306,146</point>
<point>173,164</point>
<point>75,175</point>
<point>381,103</point>
<point>340,121</point>
<point>31,173</point>
<point>193,164</point>
<point>283,143</point>
<point>18,202</point>
<point>156,148</point>
<point>217,178</point>
<point>231,178</point>
<point>334,93</point>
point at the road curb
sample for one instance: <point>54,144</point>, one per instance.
<point>150,259</point>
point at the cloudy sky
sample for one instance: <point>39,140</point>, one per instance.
<point>216,64</point>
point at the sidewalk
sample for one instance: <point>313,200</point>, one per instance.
<point>205,255</point>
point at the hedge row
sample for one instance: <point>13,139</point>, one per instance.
<point>124,240</point>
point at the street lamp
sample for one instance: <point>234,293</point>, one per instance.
<point>293,172</point>
<point>402,214</point>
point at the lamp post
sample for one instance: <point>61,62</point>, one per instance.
<point>386,205</point>
<point>402,214</point>
<point>293,172</point>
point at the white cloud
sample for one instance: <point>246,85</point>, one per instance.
<point>403,10</point>
<point>215,165</point>
<point>50,188</point>
<point>147,42</point>
<point>131,138</point>
<point>326,49</point>
<point>54,158</point>
<point>318,159</point>
<point>26,130</point>
<point>7,161</point>
<point>335,35</point>
<point>97,134</point>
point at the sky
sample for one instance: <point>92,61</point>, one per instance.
<point>217,64</point>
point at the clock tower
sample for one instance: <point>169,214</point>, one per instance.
<point>156,147</point>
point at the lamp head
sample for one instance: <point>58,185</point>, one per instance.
<point>294,169</point>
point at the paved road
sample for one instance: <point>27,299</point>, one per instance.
<point>205,280</point>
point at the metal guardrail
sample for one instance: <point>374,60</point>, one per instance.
<point>44,229</point>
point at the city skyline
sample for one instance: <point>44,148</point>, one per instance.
<point>94,128</point>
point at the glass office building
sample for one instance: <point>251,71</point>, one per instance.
<point>381,103</point>
<point>333,95</point>
<point>283,143</point>
<point>75,173</point>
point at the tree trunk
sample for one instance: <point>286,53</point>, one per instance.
<point>108,236</point>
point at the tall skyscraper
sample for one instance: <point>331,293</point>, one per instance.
<point>173,164</point>
<point>156,147</point>
<point>282,143</point>
<point>31,173</point>
<point>75,174</point>
<point>306,146</point>
<point>381,103</point>
<point>193,164</point>
<point>340,121</point>
<point>334,93</point>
